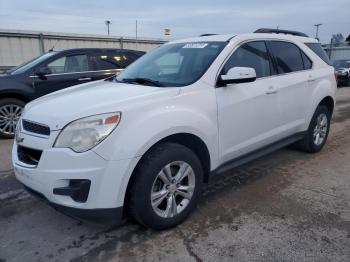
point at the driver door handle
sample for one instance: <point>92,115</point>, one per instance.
<point>84,79</point>
<point>271,90</point>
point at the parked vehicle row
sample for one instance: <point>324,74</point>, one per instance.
<point>54,71</point>
<point>143,143</point>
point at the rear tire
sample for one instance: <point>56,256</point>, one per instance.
<point>10,111</point>
<point>159,197</point>
<point>317,133</point>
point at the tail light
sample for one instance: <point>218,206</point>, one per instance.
<point>336,75</point>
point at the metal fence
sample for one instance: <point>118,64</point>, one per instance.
<point>16,46</point>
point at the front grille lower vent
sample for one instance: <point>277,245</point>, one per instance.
<point>35,128</point>
<point>28,155</point>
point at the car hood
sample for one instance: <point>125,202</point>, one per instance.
<point>60,108</point>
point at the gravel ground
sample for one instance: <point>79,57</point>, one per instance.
<point>287,206</point>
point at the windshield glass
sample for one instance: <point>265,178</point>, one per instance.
<point>342,64</point>
<point>27,65</point>
<point>178,64</point>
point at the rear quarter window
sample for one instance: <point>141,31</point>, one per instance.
<point>318,50</point>
<point>307,62</point>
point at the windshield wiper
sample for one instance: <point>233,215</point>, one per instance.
<point>140,80</point>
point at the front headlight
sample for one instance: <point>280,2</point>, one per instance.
<point>83,134</point>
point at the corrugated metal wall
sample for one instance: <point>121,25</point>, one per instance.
<point>16,47</point>
<point>337,53</point>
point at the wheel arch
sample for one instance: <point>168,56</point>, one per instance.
<point>328,101</point>
<point>4,95</point>
<point>191,141</point>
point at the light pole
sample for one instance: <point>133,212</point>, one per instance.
<point>136,32</point>
<point>107,22</point>
<point>317,26</point>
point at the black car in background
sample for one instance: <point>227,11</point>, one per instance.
<point>343,71</point>
<point>53,71</point>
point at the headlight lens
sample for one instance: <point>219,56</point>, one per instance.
<point>84,134</point>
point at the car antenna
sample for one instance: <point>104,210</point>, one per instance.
<point>51,49</point>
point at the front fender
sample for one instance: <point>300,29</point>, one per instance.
<point>134,137</point>
<point>16,86</point>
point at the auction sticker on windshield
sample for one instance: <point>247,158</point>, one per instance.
<point>195,45</point>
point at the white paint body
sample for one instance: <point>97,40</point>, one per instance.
<point>231,121</point>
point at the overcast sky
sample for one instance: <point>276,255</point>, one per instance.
<point>184,18</point>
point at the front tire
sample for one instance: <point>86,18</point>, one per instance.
<point>10,112</point>
<point>317,133</point>
<point>166,186</point>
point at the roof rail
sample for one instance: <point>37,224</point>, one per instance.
<point>280,31</point>
<point>207,35</point>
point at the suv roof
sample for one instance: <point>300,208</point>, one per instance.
<point>280,31</point>
<point>97,49</point>
<point>229,37</point>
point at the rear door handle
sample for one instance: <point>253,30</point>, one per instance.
<point>311,79</point>
<point>271,90</point>
<point>84,79</point>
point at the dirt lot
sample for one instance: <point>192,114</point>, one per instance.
<point>287,206</point>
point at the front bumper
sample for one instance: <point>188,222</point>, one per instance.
<point>59,166</point>
<point>105,216</point>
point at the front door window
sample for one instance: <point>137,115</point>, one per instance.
<point>69,64</point>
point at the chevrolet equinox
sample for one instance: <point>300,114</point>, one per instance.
<point>143,142</point>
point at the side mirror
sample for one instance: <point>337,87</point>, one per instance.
<point>42,72</point>
<point>237,75</point>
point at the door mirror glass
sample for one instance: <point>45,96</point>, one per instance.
<point>237,75</point>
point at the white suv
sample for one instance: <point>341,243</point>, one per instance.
<point>144,142</point>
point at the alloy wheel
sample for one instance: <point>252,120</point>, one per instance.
<point>9,115</point>
<point>320,130</point>
<point>172,189</point>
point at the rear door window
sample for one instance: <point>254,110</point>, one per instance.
<point>105,60</point>
<point>318,50</point>
<point>125,58</point>
<point>287,56</point>
<point>111,59</point>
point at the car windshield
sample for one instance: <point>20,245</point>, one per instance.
<point>172,65</point>
<point>31,63</point>
<point>342,64</point>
